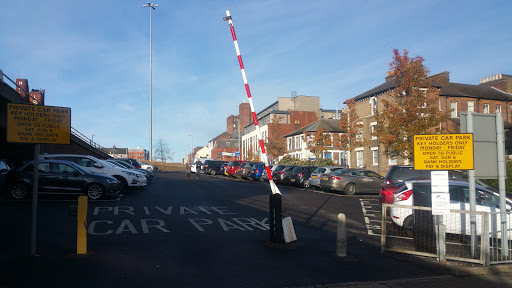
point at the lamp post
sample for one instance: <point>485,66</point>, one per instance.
<point>92,139</point>
<point>152,7</point>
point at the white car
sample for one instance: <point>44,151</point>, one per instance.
<point>456,223</point>
<point>126,177</point>
<point>148,166</point>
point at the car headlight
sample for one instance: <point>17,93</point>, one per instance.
<point>129,173</point>
<point>112,181</point>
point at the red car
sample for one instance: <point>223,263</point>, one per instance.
<point>232,167</point>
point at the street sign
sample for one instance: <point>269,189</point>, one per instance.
<point>38,124</point>
<point>443,152</point>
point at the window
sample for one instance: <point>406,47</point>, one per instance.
<point>374,130</point>
<point>453,107</point>
<point>63,168</point>
<point>297,138</point>
<point>289,143</point>
<point>471,106</point>
<point>301,140</point>
<point>359,158</point>
<point>359,134</point>
<point>375,156</point>
<point>498,109</point>
<point>486,108</point>
<point>373,106</point>
<point>228,144</point>
<point>219,155</point>
<point>392,161</point>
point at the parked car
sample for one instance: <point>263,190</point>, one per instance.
<point>127,177</point>
<point>487,201</point>
<point>232,167</point>
<point>244,169</point>
<point>130,161</point>
<point>125,165</point>
<point>223,168</point>
<point>400,174</point>
<point>314,179</point>
<point>193,164</point>
<point>352,181</point>
<point>5,166</point>
<point>394,179</point>
<point>264,176</point>
<point>282,176</point>
<point>147,166</point>
<point>60,177</point>
<point>300,175</point>
<point>257,171</point>
<point>212,167</point>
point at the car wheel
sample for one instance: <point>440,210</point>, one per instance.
<point>306,184</point>
<point>124,184</point>
<point>19,191</point>
<point>350,189</point>
<point>213,172</point>
<point>95,191</point>
<point>408,225</point>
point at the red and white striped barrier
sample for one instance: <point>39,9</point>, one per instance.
<point>273,185</point>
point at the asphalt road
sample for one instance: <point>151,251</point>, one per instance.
<point>211,232</point>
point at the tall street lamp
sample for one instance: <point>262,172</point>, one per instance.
<point>152,7</point>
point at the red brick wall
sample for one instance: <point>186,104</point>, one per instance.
<point>224,157</point>
<point>229,123</point>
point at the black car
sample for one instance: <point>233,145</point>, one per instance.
<point>283,175</point>
<point>5,166</point>
<point>212,167</point>
<point>300,175</point>
<point>60,177</point>
<point>130,161</point>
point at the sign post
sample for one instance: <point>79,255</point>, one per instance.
<point>37,124</point>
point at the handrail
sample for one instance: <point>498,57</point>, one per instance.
<point>73,130</point>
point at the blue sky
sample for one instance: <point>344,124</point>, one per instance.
<point>93,56</point>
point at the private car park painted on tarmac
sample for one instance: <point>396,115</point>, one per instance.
<point>147,225</point>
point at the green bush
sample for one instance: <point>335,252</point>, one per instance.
<point>508,181</point>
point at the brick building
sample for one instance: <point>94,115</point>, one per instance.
<point>138,154</point>
<point>36,95</point>
<point>453,98</point>
<point>297,141</point>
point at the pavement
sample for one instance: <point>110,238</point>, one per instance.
<point>462,276</point>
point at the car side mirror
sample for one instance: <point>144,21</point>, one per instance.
<point>98,165</point>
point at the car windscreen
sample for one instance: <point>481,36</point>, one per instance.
<point>279,168</point>
<point>319,170</point>
<point>297,169</point>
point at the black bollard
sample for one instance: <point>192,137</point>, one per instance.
<point>276,218</point>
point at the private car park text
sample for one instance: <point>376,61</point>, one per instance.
<point>147,225</point>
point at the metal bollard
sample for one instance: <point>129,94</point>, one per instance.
<point>341,239</point>
<point>276,218</point>
<point>81,233</point>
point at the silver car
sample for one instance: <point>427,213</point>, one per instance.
<point>314,179</point>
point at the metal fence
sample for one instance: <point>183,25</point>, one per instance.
<point>414,230</point>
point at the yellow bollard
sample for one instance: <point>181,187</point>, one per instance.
<point>81,232</point>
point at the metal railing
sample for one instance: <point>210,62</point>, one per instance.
<point>414,230</point>
<point>73,130</point>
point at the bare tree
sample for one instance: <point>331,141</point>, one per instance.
<point>161,150</point>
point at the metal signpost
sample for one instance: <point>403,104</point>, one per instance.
<point>489,138</point>
<point>37,124</point>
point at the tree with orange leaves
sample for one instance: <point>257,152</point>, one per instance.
<point>411,109</point>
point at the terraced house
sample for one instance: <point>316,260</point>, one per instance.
<point>491,95</point>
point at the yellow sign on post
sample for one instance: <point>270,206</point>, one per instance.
<point>443,152</point>
<point>38,124</point>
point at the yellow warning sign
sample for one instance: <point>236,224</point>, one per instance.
<point>443,152</point>
<point>38,124</point>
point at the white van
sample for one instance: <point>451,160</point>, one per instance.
<point>128,178</point>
